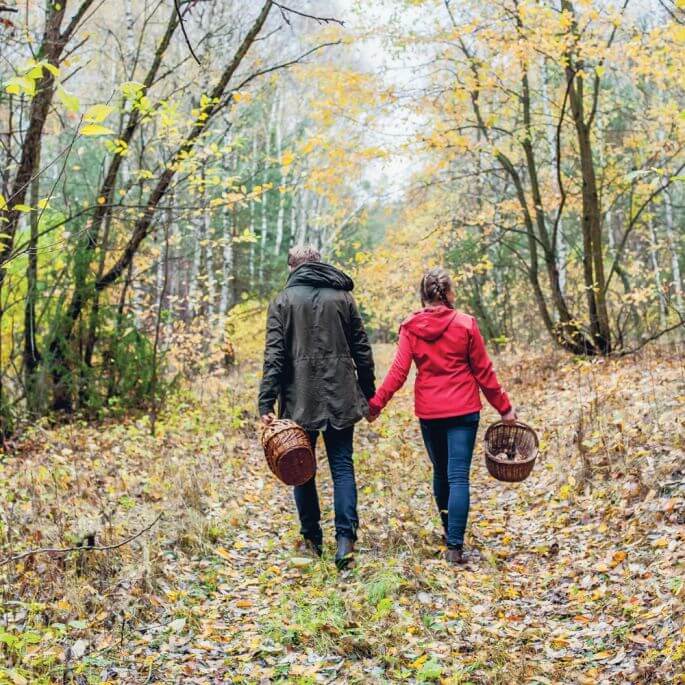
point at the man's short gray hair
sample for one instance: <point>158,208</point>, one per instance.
<point>302,253</point>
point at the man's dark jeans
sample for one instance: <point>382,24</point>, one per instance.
<point>450,445</point>
<point>339,449</point>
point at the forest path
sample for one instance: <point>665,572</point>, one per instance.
<point>576,574</point>
<point>567,582</point>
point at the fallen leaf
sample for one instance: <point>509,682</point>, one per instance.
<point>177,626</point>
<point>78,649</point>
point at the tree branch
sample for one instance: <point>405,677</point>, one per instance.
<point>76,20</point>
<point>633,223</point>
<point>595,91</point>
<point>142,226</point>
<point>183,29</point>
<point>320,20</point>
<point>80,548</point>
<point>282,65</point>
<point>652,338</point>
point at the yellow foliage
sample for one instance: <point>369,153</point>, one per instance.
<point>245,328</point>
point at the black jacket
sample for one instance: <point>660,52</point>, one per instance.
<point>317,361</point>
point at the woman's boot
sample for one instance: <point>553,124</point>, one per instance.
<point>455,556</point>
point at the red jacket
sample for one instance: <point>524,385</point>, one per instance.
<point>452,365</point>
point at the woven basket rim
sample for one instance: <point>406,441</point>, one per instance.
<point>517,424</point>
<point>278,426</point>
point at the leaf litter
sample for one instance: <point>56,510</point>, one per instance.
<point>576,574</point>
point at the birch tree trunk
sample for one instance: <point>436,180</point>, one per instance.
<point>560,248</point>
<point>208,247</point>
<point>283,181</point>
<point>293,218</point>
<point>673,250</point>
<point>253,227</point>
<point>265,195</point>
<point>227,269</point>
<point>302,229</point>
<point>228,253</point>
<point>654,258</point>
<point>191,302</point>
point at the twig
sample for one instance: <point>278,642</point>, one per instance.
<point>183,29</point>
<point>652,338</point>
<point>67,550</point>
<point>320,20</point>
<point>276,67</point>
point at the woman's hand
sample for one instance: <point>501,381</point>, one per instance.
<point>267,419</point>
<point>510,416</point>
<point>373,412</point>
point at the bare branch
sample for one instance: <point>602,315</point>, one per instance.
<point>282,65</point>
<point>645,341</point>
<point>633,223</point>
<point>183,29</point>
<point>320,20</point>
<point>595,94</point>
<point>80,548</point>
<point>142,226</point>
<point>76,19</point>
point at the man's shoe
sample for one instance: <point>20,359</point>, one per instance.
<point>455,556</point>
<point>344,555</point>
<point>312,547</point>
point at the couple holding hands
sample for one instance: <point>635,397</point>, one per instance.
<point>318,365</point>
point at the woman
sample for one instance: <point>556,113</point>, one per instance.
<point>452,365</point>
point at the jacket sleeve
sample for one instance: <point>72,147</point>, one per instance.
<point>396,376</point>
<point>481,367</point>
<point>274,361</point>
<point>361,352</point>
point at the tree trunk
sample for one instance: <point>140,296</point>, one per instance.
<point>32,357</point>
<point>302,232</point>
<point>227,275</point>
<point>282,186</point>
<point>593,252</point>
<point>192,307</point>
<point>672,248</point>
<point>253,227</point>
<point>656,270</point>
<point>265,195</point>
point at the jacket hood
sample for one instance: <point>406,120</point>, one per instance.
<point>430,323</point>
<point>319,275</point>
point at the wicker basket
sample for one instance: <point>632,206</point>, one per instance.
<point>510,451</point>
<point>288,452</point>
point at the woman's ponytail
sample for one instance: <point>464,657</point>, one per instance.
<point>435,286</point>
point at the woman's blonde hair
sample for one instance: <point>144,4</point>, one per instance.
<point>435,285</point>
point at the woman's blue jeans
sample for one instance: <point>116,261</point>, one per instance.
<point>339,450</point>
<point>450,444</point>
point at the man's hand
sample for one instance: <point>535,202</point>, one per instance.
<point>510,416</point>
<point>267,419</point>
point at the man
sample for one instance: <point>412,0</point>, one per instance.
<point>318,364</point>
